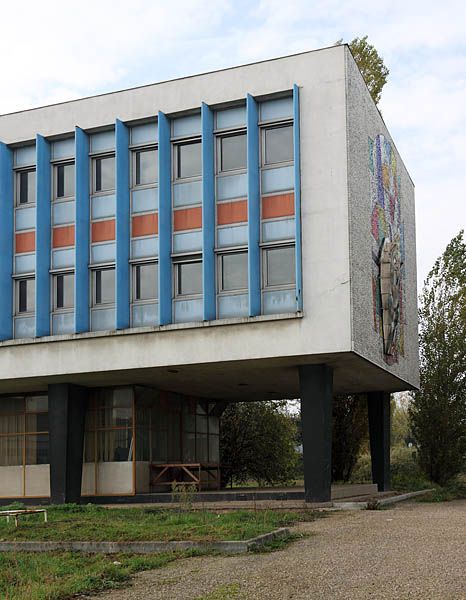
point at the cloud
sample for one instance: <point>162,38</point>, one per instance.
<point>54,51</point>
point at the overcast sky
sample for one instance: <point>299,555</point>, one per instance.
<point>59,50</point>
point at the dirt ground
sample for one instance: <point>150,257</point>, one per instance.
<point>413,551</point>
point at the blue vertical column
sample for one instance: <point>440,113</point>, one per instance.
<point>6,241</point>
<point>208,214</point>
<point>297,199</point>
<point>82,232</point>
<point>122,280</point>
<point>43,236</point>
<point>254,270</point>
<point>165,221</point>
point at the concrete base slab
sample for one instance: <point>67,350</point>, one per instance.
<point>223,547</point>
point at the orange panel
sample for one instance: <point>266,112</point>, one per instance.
<point>281,205</point>
<point>187,218</point>
<point>25,242</point>
<point>63,236</point>
<point>103,231</point>
<point>145,225</point>
<point>232,212</point>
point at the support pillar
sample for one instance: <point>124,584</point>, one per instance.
<point>67,410</point>
<point>378,409</point>
<point>316,386</point>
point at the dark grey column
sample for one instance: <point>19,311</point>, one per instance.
<point>67,411</point>
<point>316,384</point>
<point>378,408</point>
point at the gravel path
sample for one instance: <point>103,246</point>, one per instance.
<point>413,551</point>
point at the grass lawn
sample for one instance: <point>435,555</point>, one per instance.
<point>96,523</point>
<point>60,575</point>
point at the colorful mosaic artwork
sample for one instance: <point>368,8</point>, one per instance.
<point>388,251</point>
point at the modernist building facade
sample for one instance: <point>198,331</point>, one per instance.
<point>243,234</point>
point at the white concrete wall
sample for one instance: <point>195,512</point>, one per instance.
<point>34,478</point>
<point>112,478</point>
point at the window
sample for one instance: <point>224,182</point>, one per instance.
<point>146,167</point>
<point>146,284</point>
<point>233,152</point>
<point>104,174</point>
<point>189,278</point>
<point>25,295</point>
<point>26,187</point>
<point>109,426</point>
<point>233,272</point>
<point>63,291</point>
<point>188,160</point>
<point>23,432</point>
<point>104,286</point>
<point>278,145</point>
<point>280,266</point>
<point>64,180</point>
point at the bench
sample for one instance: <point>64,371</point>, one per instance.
<point>20,512</point>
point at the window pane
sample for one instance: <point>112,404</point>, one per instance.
<point>146,281</point>
<point>11,423</point>
<point>37,422</point>
<point>104,173</point>
<point>280,266</point>
<point>279,144</point>
<point>64,291</point>
<point>65,181</point>
<point>11,454</point>
<point>37,404</point>
<point>189,160</point>
<point>214,451</point>
<point>10,405</point>
<point>26,296</point>
<point>114,445</point>
<point>105,286</point>
<point>233,152</point>
<point>146,167</point>
<point>190,278</point>
<point>37,449</point>
<point>26,187</point>
<point>89,446</point>
<point>234,271</point>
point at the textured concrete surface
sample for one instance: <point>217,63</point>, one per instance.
<point>364,121</point>
<point>411,552</point>
<point>222,547</point>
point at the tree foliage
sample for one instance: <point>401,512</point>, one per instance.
<point>258,442</point>
<point>400,426</point>
<point>438,410</point>
<point>350,431</point>
<point>370,64</point>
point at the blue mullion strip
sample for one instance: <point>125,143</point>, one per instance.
<point>297,198</point>
<point>165,221</point>
<point>254,271</point>
<point>43,236</point>
<point>208,213</point>
<point>122,281</point>
<point>6,241</point>
<point>82,233</point>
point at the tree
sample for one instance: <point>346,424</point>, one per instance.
<point>258,441</point>
<point>400,426</point>
<point>438,410</point>
<point>350,431</point>
<point>371,65</point>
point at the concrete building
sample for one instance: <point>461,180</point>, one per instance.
<point>242,234</point>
